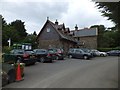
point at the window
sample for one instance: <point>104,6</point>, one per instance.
<point>77,51</point>
<point>48,29</point>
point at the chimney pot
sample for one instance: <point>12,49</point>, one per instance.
<point>76,27</point>
<point>56,22</point>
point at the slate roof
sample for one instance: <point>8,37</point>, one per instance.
<point>60,29</point>
<point>85,32</point>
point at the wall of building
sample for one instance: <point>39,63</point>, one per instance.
<point>49,44</point>
<point>52,40</point>
<point>89,41</point>
<point>67,44</point>
<point>52,35</point>
<point>56,44</point>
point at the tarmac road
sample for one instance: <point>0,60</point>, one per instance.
<point>99,72</point>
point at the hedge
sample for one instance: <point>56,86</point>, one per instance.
<point>108,49</point>
<point>6,49</point>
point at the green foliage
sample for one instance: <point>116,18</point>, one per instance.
<point>15,31</point>
<point>34,33</point>
<point>6,49</point>
<point>31,38</point>
<point>111,10</point>
<point>20,27</point>
<point>107,49</point>
<point>9,32</point>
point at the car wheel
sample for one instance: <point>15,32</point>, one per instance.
<point>101,54</point>
<point>63,58</point>
<point>70,56</point>
<point>33,63</point>
<point>51,61</point>
<point>42,59</point>
<point>85,57</point>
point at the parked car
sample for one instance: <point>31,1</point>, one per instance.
<point>114,53</point>
<point>98,53</point>
<point>88,50</point>
<point>26,56</point>
<point>8,73</point>
<point>57,53</point>
<point>78,53</point>
<point>43,55</point>
<point>30,52</point>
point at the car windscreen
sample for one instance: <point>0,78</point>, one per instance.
<point>86,50</point>
<point>52,50</point>
<point>30,52</point>
<point>41,51</point>
<point>18,52</point>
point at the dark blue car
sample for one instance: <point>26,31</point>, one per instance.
<point>79,53</point>
<point>114,53</point>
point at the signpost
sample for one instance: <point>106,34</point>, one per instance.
<point>9,41</point>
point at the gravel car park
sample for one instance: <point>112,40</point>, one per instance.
<point>100,72</point>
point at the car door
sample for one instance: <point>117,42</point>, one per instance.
<point>78,53</point>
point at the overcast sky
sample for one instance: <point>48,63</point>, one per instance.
<point>70,12</point>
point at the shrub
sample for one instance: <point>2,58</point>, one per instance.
<point>108,49</point>
<point>6,49</point>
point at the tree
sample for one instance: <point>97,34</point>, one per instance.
<point>34,33</point>
<point>20,27</point>
<point>109,39</point>
<point>9,32</point>
<point>111,10</point>
<point>15,30</point>
<point>31,38</point>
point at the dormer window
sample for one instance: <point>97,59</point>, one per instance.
<point>48,29</point>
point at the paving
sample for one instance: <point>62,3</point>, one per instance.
<point>99,72</point>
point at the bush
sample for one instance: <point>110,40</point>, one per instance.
<point>108,49</point>
<point>6,49</point>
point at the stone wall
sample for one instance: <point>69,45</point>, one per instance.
<point>49,44</point>
<point>89,42</point>
<point>45,44</point>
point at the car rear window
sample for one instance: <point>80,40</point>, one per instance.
<point>30,52</point>
<point>41,51</point>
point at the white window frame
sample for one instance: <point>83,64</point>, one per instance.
<point>48,30</point>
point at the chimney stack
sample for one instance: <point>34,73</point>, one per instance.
<point>47,18</point>
<point>56,22</point>
<point>76,27</point>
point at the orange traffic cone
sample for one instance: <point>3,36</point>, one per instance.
<point>18,73</point>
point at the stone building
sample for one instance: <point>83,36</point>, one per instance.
<point>55,35</point>
<point>86,37</point>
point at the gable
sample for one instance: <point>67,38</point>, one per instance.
<point>48,33</point>
<point>55,32</point>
